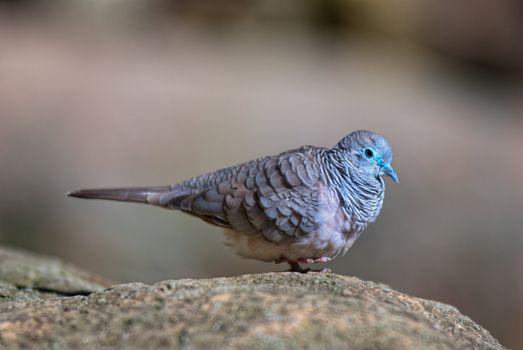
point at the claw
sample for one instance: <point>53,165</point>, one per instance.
<point>295,267</point>
<point>322,259</point>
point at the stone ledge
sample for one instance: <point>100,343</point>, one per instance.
<point>261,311</point>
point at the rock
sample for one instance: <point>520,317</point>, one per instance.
<point>25,275</point>
<point>262,311</point>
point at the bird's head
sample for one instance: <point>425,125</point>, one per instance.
<point>368,152</point>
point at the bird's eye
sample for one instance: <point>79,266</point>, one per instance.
<point>368,153</point>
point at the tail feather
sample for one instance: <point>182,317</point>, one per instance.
<point>148,195</point>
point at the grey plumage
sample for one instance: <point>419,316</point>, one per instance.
<point>299,206</point>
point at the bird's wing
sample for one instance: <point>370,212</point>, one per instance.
<point>278,196</point>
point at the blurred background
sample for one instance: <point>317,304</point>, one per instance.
<point>151,92</point>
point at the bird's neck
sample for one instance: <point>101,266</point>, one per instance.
<point>360,195</point>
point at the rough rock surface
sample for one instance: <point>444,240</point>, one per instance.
<point>25,275</point>
<point>263,311</point>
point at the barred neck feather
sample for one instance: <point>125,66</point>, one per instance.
<point>361,195</point>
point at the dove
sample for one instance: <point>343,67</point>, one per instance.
<point>302,206</point>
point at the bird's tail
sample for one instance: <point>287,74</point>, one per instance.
<point>146,195</point>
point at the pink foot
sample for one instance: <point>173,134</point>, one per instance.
<point>322,259</point>
<point>295,265</point>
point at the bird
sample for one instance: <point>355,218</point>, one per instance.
<point>303,206</point>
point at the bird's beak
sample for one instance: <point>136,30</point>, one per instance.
<point>387,170</point>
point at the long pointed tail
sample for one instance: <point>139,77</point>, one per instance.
<point>147,195</point>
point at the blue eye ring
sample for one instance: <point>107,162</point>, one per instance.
<point>368,153</point>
